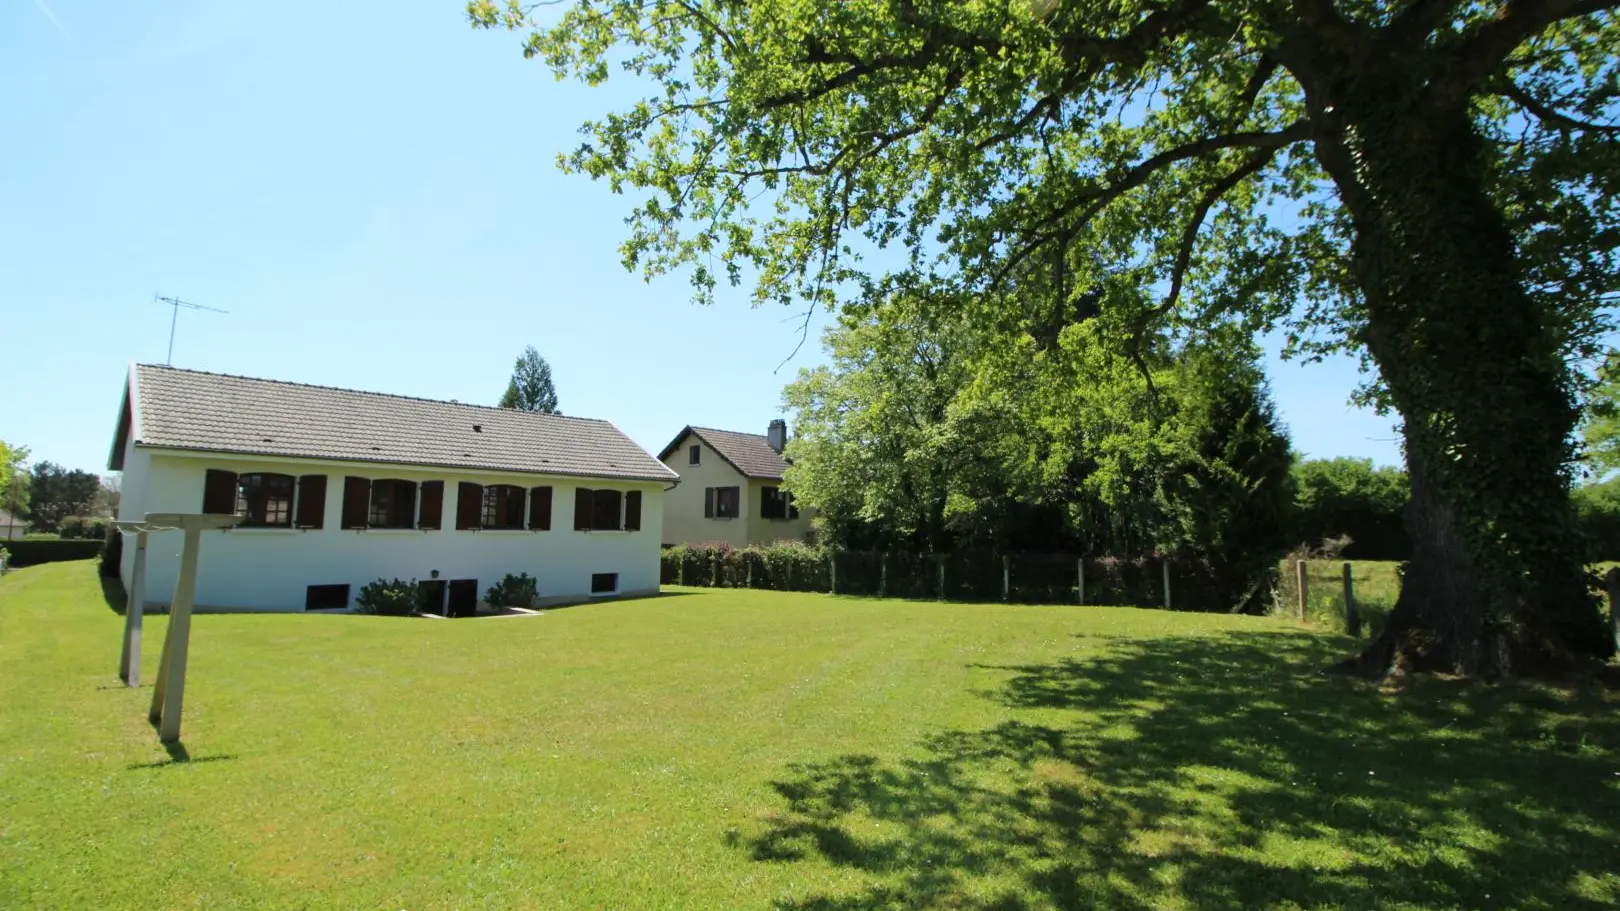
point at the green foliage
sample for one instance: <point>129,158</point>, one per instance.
<point>1349,497</point>
<point>931,431</point>
<point>389,598</point>
<point>1601,432</point>
<point>28,551</point>
<point>1598,505</point>
<point>55,493</point>
<point>14,479</point>
<point>531,388</point>
<point>1446,172</point>
<point>83,527</point>
<point>518,590</point>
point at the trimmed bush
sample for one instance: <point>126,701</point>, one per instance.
<point>79,527</point>
<point>520,590</point>
<point>31,553</point>
<point>389,598</point>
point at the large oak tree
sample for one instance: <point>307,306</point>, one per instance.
<point>1427,183</point>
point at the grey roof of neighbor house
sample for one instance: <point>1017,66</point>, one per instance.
<point>215,412</point>
<point>750,453</point>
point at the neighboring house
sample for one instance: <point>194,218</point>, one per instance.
<point>339,488</point>
<point>731,489</point>
<point>11,527</point>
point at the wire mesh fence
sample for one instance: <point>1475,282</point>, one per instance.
<point>966,575</point>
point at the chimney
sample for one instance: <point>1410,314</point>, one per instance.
<point>777,435</point>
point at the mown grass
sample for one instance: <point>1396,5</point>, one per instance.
<point>747,749</point>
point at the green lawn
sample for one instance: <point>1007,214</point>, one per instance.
<point>745,749</point>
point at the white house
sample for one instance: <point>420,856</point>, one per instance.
<point>338,488</point>
<point>731,489</point>
<point>11,527</point>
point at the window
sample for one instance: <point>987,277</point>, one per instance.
<point>599,510</point>
<point>694,455</point>
<point>722,502</point>
<point>503,506</point>
<point>605,510</point>
<point>776,503</point>
<point>326,597</point>
<point>264,499</point>
<point>540,508</point>
<point>393,504</point>
<point>604,583</point>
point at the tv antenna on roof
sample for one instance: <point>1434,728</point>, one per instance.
<point>176,304</point>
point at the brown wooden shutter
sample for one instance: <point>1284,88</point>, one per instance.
<point>540,509</point>
<point>356,501</point>
<point>432,515</point>
<point>766,496</point>
<point>708,502</point>
<point>219,493</point>
<point>632,511</point>
<point>311,501</point>
<point>469,505</point>
<point>582,509</point>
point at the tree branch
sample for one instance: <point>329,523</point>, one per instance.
<point>1483,48</point>
<point>1189,237</point>
<point>1095,198</point>
<point>1546,114</point>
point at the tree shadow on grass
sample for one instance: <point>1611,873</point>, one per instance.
<point>1223,773</point>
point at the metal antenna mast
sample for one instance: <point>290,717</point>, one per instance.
<point>176,304</point>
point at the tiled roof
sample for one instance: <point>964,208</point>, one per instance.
<point>190,409</point>
<point>749,453</point>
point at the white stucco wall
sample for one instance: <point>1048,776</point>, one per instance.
<point>270,569</point>
<point>684,522</point>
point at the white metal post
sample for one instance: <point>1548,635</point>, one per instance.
<point>129,663</point>
<point>169,695</point>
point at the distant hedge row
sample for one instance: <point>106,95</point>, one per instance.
<point>969,575</point>
<point>30,553</point>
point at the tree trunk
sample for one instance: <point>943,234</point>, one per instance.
<point>1496,584</point>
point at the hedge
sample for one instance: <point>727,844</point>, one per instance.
<point>30,553</point>
<point>967,575</point>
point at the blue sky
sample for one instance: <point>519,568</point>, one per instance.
<point>370,190</point>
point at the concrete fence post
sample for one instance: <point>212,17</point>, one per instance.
<point>883,575</point>
<point>832,572</point>
<point>1299,576</point>
<point>1006,578</point>
<point>1352,614</point>
<point>1080,576</point>
<point>941,559</point>
<point>1164,570</point>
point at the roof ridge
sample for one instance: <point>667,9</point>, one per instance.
<point>385,395</point>
<point>740,433</point>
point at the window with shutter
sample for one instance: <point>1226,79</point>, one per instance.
<point>708,502</point>
<point>311,501</point>
<point>632,511</point>
<point>606,510</point>
<point>219,493</point>
<point>582,508</point>
<point>356,501</point>
<point>694,455</point>
<point>793,508</point>
<point>469,505</point>
<point>432,513</point>
<point>264,499</point>
<point>540,509</point>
